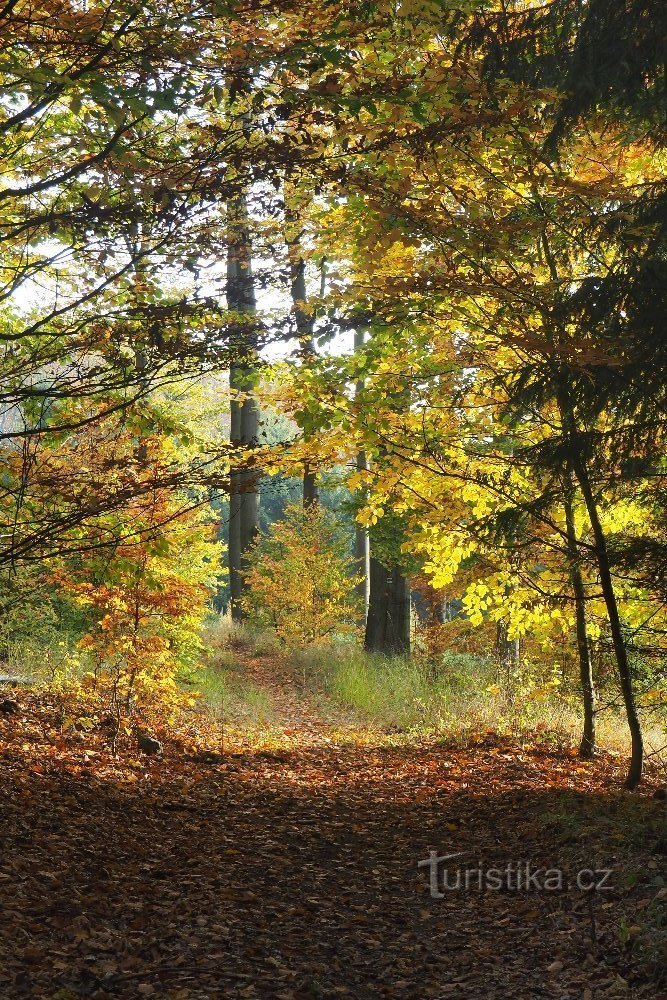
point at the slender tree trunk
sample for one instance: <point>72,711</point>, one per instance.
<point>311,489</point>
<point>362,554</point>
<point>441,610</point>
<point>580,470</point>
<point>636,767</point>
<point>304,318</point>
<point>587,746</point>
<point>508,651</point>
<point>234,536</point>
<point>362,551</point>
<point>249,479</point>
<point>137,249</point>
<point>578,465</point>
<point>305,324</point>
<point>244,425</point>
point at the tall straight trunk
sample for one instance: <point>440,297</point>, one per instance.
<point>636,766</point>
<point>310,489</point>
<point>136,247</point>
<point>362,552</point>
<point>441,610</point>
<point>587,745</point>
<point>304,318</point>
<point>388,621</point>
<point>234,526</point>
<point>398,625</point>
<point>377,600</point>
<point>244,425</point>
<point>388,625</point>
<point>305,324</point>
<point>508,651</point>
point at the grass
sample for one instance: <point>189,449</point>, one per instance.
<point>464,697</point>
<point>229,695</point>
<point>403,695</point>
<point>222,637</point>
<point>231,698</point>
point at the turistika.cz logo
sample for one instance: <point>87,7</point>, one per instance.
<point>515,876</point>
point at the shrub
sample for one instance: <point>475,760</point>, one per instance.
<point>300,578</point>
<point>146,606</point>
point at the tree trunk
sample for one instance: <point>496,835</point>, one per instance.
<point>311,489</point>
<point>303,317</point>
<point>305,324</point>
<point>587,745</point>
<point>636,766</point>
<point>580,470</point>
<point>388,624</point>
<point>361,539</point>
<point>234,526</point>
<point>578,466</point>
<point>507,650</point>
<point>388,621</point>
<point>377,600</point>
<point>244,425</point>
<point>362,555</point>
<point>441,610</point>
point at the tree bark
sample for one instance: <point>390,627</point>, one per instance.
<point>587,746</point>
<point>244,425</point>
<point>508,650</point>
<point>441,610</point>
<point>388,621</point>
<point>362,555</point>
<point>361,538</point>
<point>304,319</point>
<point>305,324</point>
<point>636,766</point>
<point>388,624</point>
<point>234,526</point>
<point>580,471</point>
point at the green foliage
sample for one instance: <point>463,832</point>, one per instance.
<point>39,627</point>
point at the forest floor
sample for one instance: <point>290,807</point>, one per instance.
<point>287,868</point>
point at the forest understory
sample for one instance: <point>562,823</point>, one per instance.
<point>283,862</point>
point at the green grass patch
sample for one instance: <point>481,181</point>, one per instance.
<point>231,698</point>
<point>396,693</point>
<point>227,693</point>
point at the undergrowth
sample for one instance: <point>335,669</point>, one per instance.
<point>459,696</point>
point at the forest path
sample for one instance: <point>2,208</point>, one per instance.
<point>293,707</point>
<point>289,870</point>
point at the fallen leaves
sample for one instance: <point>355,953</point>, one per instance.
<point>288,870</point>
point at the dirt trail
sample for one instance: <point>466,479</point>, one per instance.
<point>293,707</point>
<point>291,872</point>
